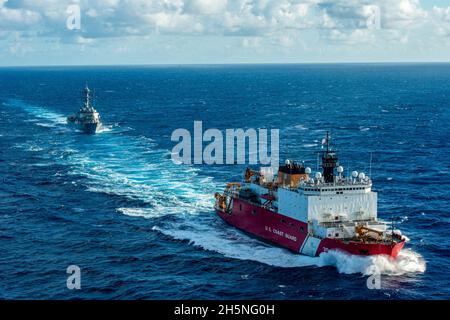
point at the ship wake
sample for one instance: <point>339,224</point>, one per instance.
<point>132,167</point>
<point>51,118</point>
<point>233,244</point>
<point>46,118</point>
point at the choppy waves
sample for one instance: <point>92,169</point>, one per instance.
<point>135,168</point>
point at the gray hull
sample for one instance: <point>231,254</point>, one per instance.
<point>90,128</point>
<point>87,127</point>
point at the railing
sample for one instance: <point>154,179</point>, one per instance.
<point>333,187</point>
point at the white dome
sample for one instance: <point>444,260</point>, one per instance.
<point>362,175</point>
<point>287,162</point>
<point>340,169</point>
<point>308,170</point>
<point>355,174</point>
<point>318,175</point>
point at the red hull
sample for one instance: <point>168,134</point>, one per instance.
<point>293,234</point>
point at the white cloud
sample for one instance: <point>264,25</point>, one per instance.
<point>281,21</point>
<point>251,42</point>
<point>442,20</point>
<point>401,14</point>
<point>285,41</point>
<point>205,7</point>
<point>349,20</point>
<point>352,37</point>
<point>105,18</point>
<point>17,18</point>
<point>83,40</point>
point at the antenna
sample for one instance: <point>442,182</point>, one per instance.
<point>328,141</point>
<point>317,169</point>
<point>348,168</point>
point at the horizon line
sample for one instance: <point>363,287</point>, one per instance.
<point>222,64</point>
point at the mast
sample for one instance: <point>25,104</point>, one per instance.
<point>329,162</point>
<point>87,98</point>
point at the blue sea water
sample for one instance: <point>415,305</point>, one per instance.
<point>141,227</point>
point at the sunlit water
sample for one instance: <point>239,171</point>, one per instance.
<point>140,226</point>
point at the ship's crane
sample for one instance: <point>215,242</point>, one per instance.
<point>260,178</point>
<point>249,173</point>
<point>366,233</point>
<point>269,197</point>
<point>221,199</point>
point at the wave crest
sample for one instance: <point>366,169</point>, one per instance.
<point>407,261</point>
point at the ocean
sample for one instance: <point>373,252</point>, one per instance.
<point>142,227</point>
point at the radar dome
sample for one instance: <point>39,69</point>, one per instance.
<point>318,175</point>
<point>355,174</point>
<point>287,162</point>
<point>340,169</point>
<point>308,170</point>
<point>362,175</point>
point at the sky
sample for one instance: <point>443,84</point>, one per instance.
<point>110,32</point>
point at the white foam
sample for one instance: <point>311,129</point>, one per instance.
<point>300,127</point>
<point>141,212</point>
<point>39,112</point>
<point>131,168</point>
<point>407,261</point>
<point>45,125</point>
<point>28,146</point>
<point>104,128</point>
<point>233,244</point>
<point>35,148</point>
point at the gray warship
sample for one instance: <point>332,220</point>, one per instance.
<point>87,119</point>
